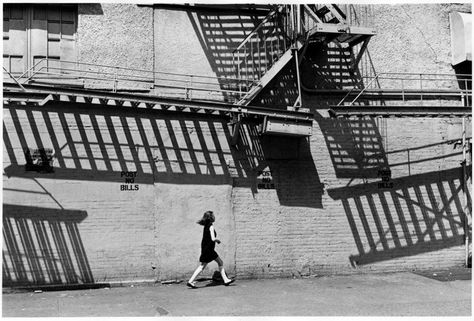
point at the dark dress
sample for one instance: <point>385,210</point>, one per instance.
<point>207,246</point>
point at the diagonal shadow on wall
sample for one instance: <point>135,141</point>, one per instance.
<point>162,147</point>
<point>422,213</point>
<point>220,33</point>
<point>354,145</point>
<point>43,246</point>
<point>99,146</point>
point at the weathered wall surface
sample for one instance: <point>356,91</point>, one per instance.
<point>416,36</point>
<point>325,213</point>
<point>115,34</point>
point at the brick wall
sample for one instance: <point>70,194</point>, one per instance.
<point>325,212</point>
<point>352,224</point>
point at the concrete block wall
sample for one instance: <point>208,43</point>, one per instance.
<point>326,213</point>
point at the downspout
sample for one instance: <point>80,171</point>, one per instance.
<point>464,172</point>
<point>464,187</point>
<point>298,102</point>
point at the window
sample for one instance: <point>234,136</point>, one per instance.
<point>34,32</point>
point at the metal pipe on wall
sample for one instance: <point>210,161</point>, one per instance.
<point>464,187</point>
<point>464,182</point>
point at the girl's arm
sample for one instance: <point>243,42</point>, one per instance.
<point>213,235</point>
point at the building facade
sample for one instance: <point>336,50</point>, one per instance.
<point>100,186</point>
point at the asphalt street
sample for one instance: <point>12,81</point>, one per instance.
<point>389,294</point>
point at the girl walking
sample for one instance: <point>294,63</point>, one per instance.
<point>208,254</point>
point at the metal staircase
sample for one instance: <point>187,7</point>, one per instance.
<point>280,38</point>
<point>283,35</point>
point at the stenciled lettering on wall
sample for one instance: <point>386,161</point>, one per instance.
<point>39,160</point>
<point>265,180</point>
<point>385,174</point>
<point>129,180</point>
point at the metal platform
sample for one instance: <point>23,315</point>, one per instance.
<point>342,33</point>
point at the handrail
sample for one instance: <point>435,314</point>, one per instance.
<point>424,74</point>
<point>131,69</point>
<point>164,86</point>
<point>32,68</point>
<point>312,14</point>
<point>365,87</point>
<point>55,71</point>
<point>138,78</point>
<point>260,26</point>
<point>420,77</point>
<point>11,76</point>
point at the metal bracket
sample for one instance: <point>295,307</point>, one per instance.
<point>359,55</point>
<point>235,122</point>
<point>46,99</point>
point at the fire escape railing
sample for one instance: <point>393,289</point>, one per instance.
<point>406,86</point>
<point>263,46</point>
<point>115,79</point>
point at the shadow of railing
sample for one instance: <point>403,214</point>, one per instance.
<point>99,146</point>
<point>160,146</point>
<point>355,146</point>
<point>421,213</point>
<point>220,32</point>
<point>329,66</point>
<point>43,246</point>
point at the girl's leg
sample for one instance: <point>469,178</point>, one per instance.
<point>198,270</point>
<point>221,269</point>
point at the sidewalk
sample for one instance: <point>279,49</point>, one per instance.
<point>391,294</point>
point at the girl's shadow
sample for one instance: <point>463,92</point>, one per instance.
<point>214,281</point>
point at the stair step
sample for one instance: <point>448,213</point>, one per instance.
<point>321,12</point>
<point>339,11</point>
<point>268,76</point>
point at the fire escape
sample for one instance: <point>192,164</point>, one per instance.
<point>281,37</point>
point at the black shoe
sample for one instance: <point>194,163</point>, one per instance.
<point>229,283</point>
<point>192,286</point>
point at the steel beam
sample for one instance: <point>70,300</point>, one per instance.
<point>45,94</point>
<point>400,111</point>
